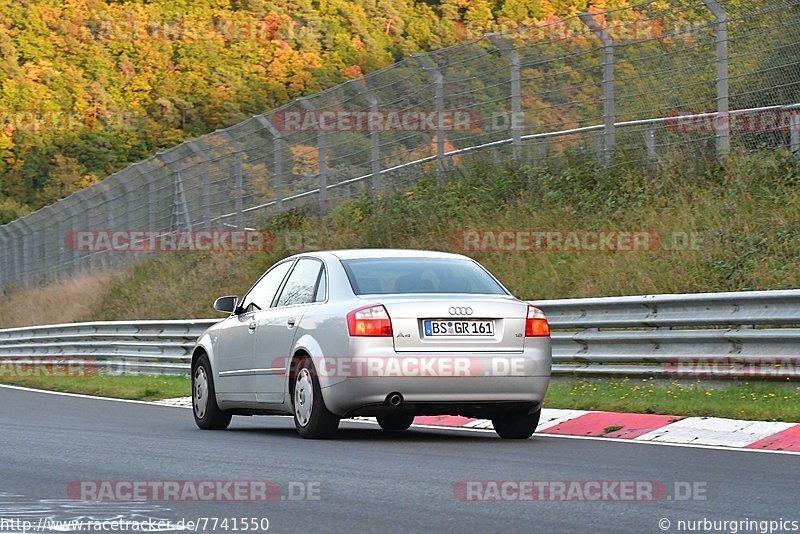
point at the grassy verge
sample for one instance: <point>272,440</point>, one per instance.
<point>131,387</point>
<point>742,400</point>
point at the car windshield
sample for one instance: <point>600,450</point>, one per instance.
<point>381,276</point>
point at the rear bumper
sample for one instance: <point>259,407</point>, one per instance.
<point>501,382</point>
<point>470,397</point>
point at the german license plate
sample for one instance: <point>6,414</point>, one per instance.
<point>449,327</point>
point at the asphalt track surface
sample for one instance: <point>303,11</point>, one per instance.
<point>367,480</point>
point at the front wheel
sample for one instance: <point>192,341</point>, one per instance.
<point>311,417</point>
<point>396,421</point>
<point>207,414</point>
<point>516,426</point>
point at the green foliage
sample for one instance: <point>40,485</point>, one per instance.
<point>87,88</point>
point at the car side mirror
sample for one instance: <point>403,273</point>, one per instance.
<point>226,304</point>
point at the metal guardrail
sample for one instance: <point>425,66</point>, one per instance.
<point>753,334</point>
<point>161,347</point>
<point>740,334</point>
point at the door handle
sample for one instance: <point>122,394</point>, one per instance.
<point>252,327</point>
<point>290,323</point>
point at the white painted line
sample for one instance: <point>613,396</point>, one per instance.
<point>80,396</point>
<point>715,431</point>
<point>178,402</point>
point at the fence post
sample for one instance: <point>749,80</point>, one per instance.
<point>16,249</point>
<point>722,124</point>
<point>110,208</point>
<point>57,237</point>
<point>180,210</point>
<point>83,212</point>
<point>71,267</point>
<point>205,189</point>
<point>238,178</point>
<point>25,238</point>
<point>277,160</point>
<point>650,142</point>
<point>609,111</point>
<point>374,136</point>
<point>322,161</point>
<point>152,203</point>
<point>516,94</point>
<point>438,91</point>
<point>5,258</point>
<point>794,133</point>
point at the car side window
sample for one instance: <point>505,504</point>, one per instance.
<point>302,282</point>
<point>263,293</point>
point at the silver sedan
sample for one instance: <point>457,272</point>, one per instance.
<point>391,334</point>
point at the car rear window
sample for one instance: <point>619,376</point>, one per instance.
<point>383,276</point>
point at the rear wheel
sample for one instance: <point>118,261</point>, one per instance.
<point>311,417</point>
<point>395,421</point>
<point>516,426</point>
<point>207,414</point>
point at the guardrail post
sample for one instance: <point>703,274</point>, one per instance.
<point>374,137</point>
<point>794,134</point>
<point>238,177</point>
<point>609,112</point>
<point>438,87</point>
<point>205,188</point>
<point>722,124</point>
<point>277,160</point>
<point>516,94</point>
<point>322,160</point>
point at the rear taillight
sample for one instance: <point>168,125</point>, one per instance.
<point>536,323</point>
<point>370,321</point>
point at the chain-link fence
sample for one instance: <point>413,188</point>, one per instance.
<point>648,85</point>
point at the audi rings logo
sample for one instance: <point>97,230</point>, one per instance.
<point>460,310</point>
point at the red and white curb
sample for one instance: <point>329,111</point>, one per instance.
<point>663,429</point>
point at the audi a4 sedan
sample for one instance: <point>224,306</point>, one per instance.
<point>391,334</point>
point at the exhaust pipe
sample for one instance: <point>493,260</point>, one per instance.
<point>394,399</point>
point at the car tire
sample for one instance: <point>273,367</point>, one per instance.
<point>516,426</point>
<point>311,417</point>
<point>207,414</point>
<point>395,421</point>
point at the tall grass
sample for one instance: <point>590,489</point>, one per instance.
<point>746,213</point>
